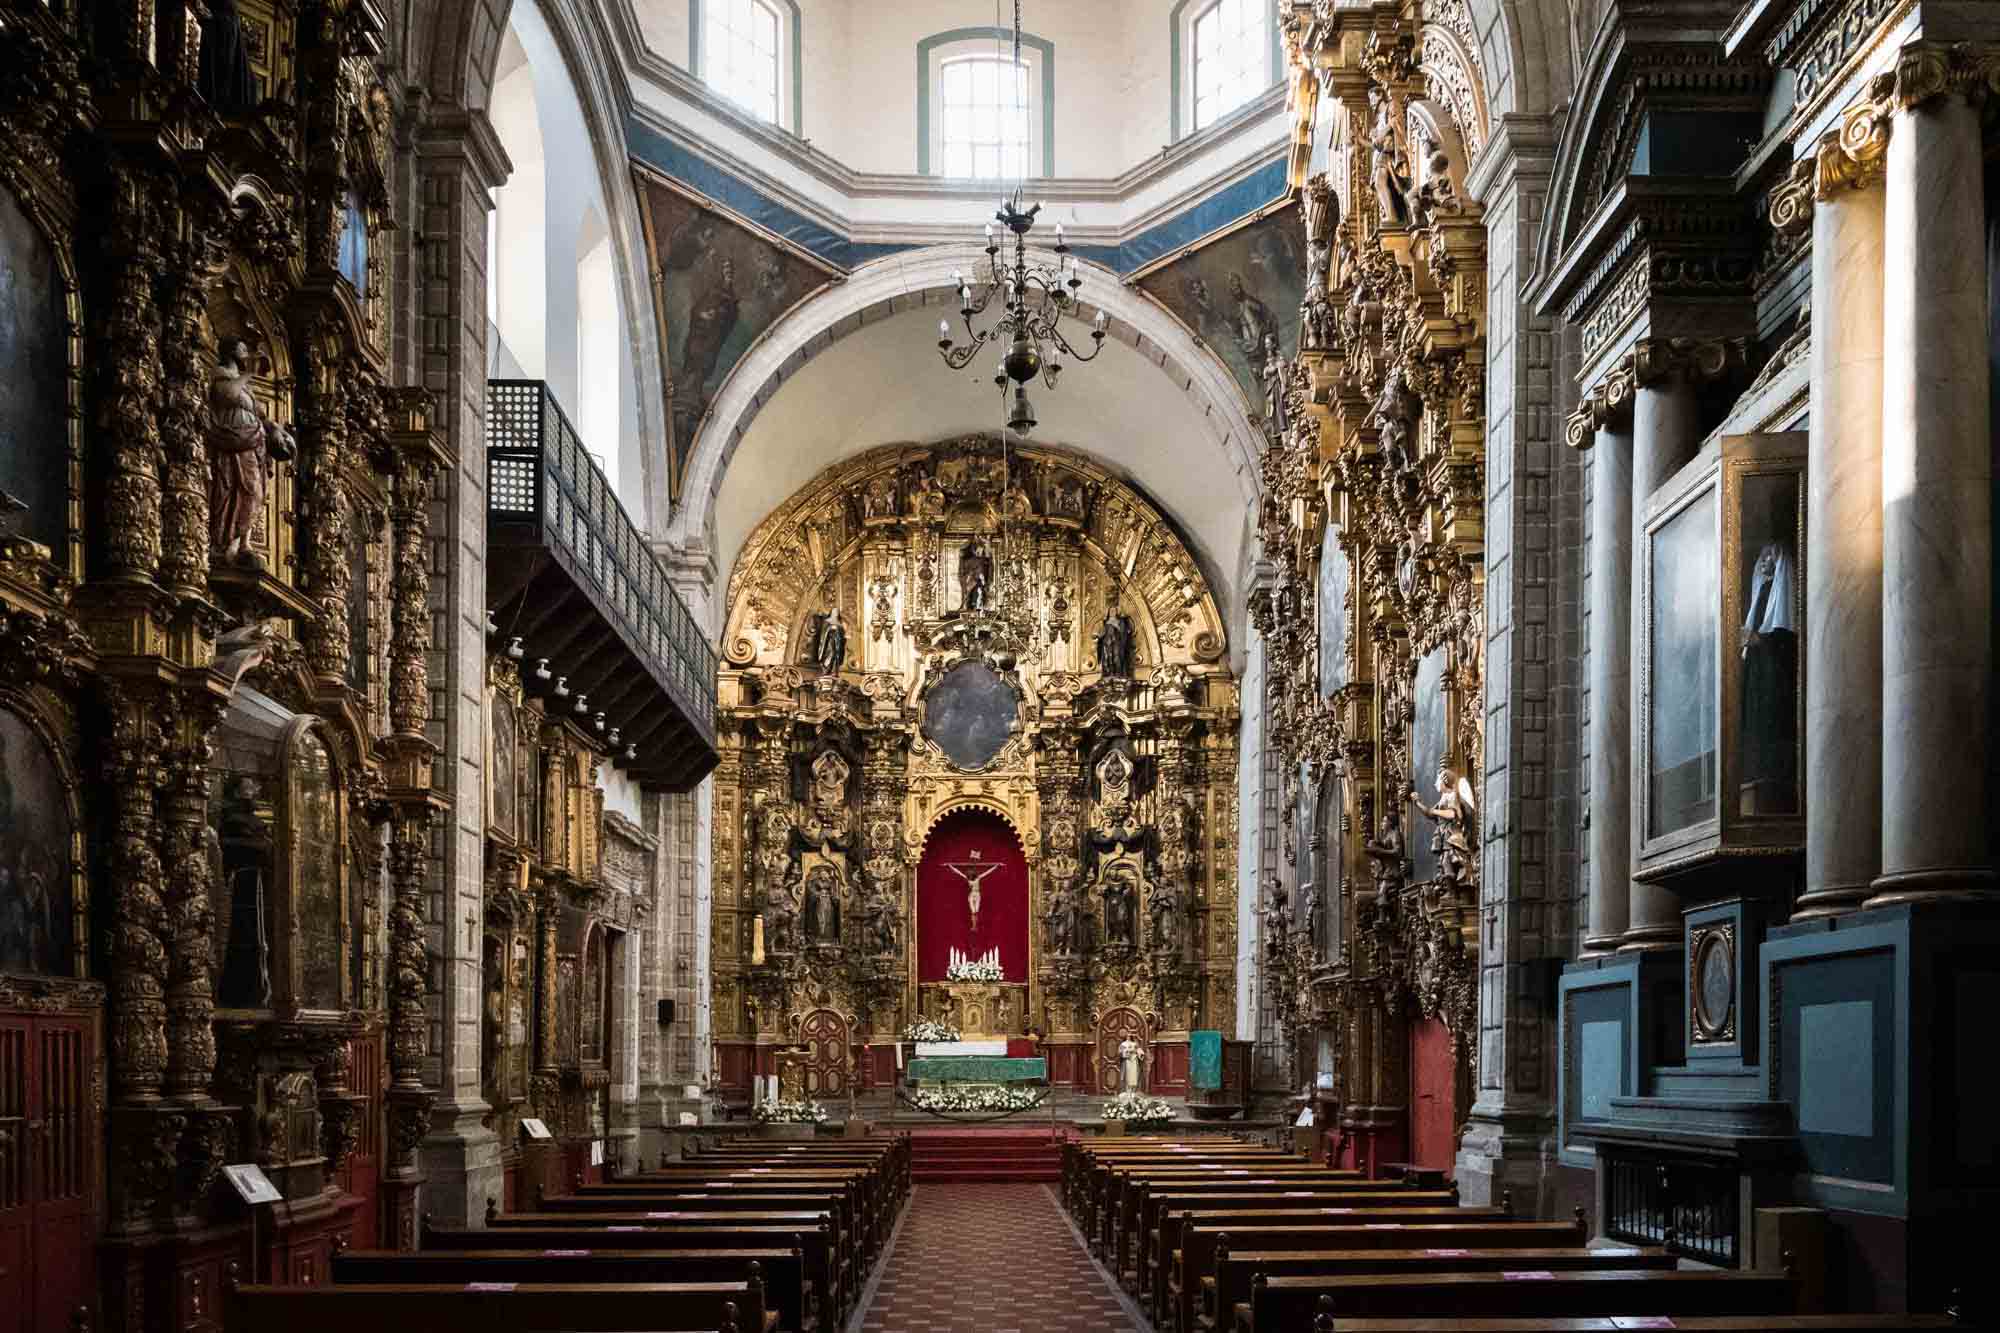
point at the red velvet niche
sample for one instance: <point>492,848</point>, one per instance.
<point>944,921</point>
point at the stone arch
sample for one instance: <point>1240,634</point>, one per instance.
<point>897,283</point>
<point>1524,49</point>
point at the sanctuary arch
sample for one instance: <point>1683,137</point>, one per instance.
<point>972,654</point>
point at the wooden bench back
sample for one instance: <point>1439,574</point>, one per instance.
<point>523,1308</point>
<point>1289,1304</point>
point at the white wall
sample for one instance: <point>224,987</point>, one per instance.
<point>859,70</point>
<point>556,182</point>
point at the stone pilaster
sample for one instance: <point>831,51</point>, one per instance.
<point>460,161</point>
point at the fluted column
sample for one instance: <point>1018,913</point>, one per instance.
<point>1666,434</point>
<point>1843,639</point>
<point>1610,689</point>
<point>1937,472</point>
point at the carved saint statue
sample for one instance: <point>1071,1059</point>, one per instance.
<point>1121,923</point>
<point>1451,838</point>
<point>1386,853</point>
<point>242,442</point>
<point>830,643</point>
<point>1114,645</point>
<point>1277,913</point>
<point>879,499</point>
<point>1164,909</point>
<point>1276,371</point>
<point>1064,922</point>
<point>1322,210</point>
<point>1769,709</point>
<point>1130,1053</point>
<point>783,913</point>
<point>822,906</point>
<point>247,851</point>
<point>885,923</point>
<point>975,574</point>
<point>224,79</point>
<point>1396,411</point>
<point>1386,161</point>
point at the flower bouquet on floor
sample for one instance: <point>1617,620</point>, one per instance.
<point>1138,1112</point>
<point>782,1112</point>
<point>929,1029</point>
<point>975,1099</point>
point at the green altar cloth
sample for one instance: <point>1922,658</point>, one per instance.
<point>976,1069</point>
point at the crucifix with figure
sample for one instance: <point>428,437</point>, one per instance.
<point>973,872</point>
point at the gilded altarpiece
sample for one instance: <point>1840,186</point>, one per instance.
<point>214,577</point>
<point>1374,621</point>
<point>964,627</point>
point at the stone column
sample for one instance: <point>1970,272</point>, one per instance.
<point>1666,434</point>
<point>1843,638</point>
<point>1610,688</point>
<point>1937,473</point>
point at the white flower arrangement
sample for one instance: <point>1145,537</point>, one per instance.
<point>1136,1108</point>
<point>974,971</point>
<point>974,1099</point>
<point>791,1113</point>
<point>929,1029</point>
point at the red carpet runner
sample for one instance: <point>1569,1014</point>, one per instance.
<point>956,1156</point>
<point>991,1259</point>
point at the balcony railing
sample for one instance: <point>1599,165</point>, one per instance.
<point>555,527</point>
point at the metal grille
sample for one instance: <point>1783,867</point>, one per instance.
<point>537,468</point>
<point>1690,1209</point>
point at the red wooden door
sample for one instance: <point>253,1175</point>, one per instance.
<point>46,1138</point>
<point>824,1034</point>
<point>363,1172</point>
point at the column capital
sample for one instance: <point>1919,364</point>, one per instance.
<point>1657,360</point>
<point>1602,404</point>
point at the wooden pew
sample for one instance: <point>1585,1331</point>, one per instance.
<point>854,1209</point>
<point>1187,1239</point>
<point>1136,1239</point>
<point>580,1307</point>
<point>1234,1268</point>
<point>1753,1323</point>
<point>722,1197</point>
<point>792,1300</point>
<point>845,1262</point>
<point>1126,1245</point>
<point>1095,1172</point>
<point>1289,1304</point>
<point>821,1261</point>
<point>1085,1165</point>
<point>1120,1187</point>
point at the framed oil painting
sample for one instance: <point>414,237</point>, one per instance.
<point>1235,288</point>
<point>38,931</point>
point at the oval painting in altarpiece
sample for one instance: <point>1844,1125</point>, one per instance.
<point>970,713</point>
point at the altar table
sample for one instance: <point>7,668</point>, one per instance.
<point>976,1069</point>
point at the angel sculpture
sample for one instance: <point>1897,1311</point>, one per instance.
<point>1451,837</point>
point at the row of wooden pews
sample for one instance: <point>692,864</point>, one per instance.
<point>756,1236</point>
<point>1222,1236</point>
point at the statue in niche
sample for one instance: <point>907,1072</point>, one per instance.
<point>829,642</point>
<point>1064,918</point>
<point>822,906</point>
<point>1322,210</point>
<point>1386,857</point>
<point>1387,167</point>
<point>247,848</point>
<point>1114,645</point>
<point>782,912</point>
<point>1451,836</point>
<point>929,496</point>
<point>975,574</point>
<point>1276,371</point>
<point>1769,711</point>
<point>1066,497</point>
<point>242,444</point>
<point>1395,415</point>
<point>1277,913</point>
<point>1437,192</point>
<point>1121,907</point>
<point>224,79</point>
<point>1164,908</point>
<point>885,923</point>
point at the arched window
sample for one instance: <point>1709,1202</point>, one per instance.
<point>983,110</point>
<point>740,41</point>
<point>1232,57</point>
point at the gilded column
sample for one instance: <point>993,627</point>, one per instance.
<point>131,355</point>
<point>1840,184</point>
<point>325,512</point>
<point>1937,474</point>
<point>1666,434</point>
<point>188,917</point>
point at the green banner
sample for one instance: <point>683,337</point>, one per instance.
<point>1205,1060</point>
<point>976,1069</point>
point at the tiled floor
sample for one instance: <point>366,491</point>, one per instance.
<point>991,1259</point>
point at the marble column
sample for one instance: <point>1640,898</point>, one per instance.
<point>1937,534</point>
<point>1843,564</point>
<point>1666,434</point>
<point>1610,689</point>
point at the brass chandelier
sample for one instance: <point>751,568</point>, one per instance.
<point>1035,297</point>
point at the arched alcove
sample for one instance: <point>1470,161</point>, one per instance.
<point>519,298</point>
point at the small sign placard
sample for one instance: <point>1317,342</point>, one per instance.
<point>585,1254</point>
<point>1529,1275</point>
<point>251,1184</point>
<point>1305,1118</point>
<point>597,1152</point>
<point>1447,1254</point>
<point>1644,1321</point>
<point>491,1286</point>
<point>534,1128</point>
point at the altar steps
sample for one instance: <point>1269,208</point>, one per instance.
<point>951,1156</point>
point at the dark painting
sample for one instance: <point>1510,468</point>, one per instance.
<point>719,285</point>
<point>970,713</point>
<point>1429,744</point>
<point>1332,614</point>
<point>318,848</point>
<point>37,931</point>
<point>1233,290</point>
<point>34,432</point>
<point>505,748</point>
